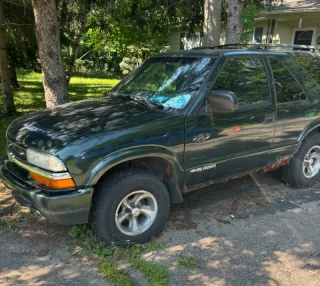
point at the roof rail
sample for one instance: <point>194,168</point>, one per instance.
<point>233,46</point>
<point>227,46</point>
<point>254,47</point>
<point>283,46</point>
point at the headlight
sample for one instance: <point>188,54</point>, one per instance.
<point>45,161</point>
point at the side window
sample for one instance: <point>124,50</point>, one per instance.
<point>311,64</point>
<point>287,88</point>
<point>246,78</point>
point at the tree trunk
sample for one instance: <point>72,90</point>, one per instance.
<point>13,75</point>
<point>48,38</point>
<point>9,108</point>
<point>76,42</point>
<point>211,23</point>
<point>234,26</point>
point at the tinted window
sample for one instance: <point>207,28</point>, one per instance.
<point>311,64</point>
<point>286,86</point>
<point>246,78</point>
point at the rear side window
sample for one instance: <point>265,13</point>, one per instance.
<point>311,64</point>
<point>287,88</point>
<point>245,77</point>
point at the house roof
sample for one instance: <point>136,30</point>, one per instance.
<point>297,5</point>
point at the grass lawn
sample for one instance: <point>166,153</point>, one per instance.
<point>30,97</point>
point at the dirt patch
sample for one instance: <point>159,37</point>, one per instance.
<point>220,202</point>
<point>23,220</point>
<point>35,251</point>
<point>30,261</point>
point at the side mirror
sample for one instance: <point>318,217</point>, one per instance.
<point>222,101</point>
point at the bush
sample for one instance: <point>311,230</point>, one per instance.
<point>129,64</point>
<point>135,55</point>
<point>83,65</point>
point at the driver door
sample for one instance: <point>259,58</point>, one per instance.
<point>224,145</point>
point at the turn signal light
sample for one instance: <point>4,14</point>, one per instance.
<point>56,184</point>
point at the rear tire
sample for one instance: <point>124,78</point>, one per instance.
<point>131,207</point>
<point>303,170</point>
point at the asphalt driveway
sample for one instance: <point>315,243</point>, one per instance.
<point>249,231</point>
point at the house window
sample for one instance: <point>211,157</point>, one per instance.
<point>303,37</point>
<point>258,32</point>
<point>189,41</point>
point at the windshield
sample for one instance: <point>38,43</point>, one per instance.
<point>168,83</point>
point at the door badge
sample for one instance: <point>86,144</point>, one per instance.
<point>203,168</point>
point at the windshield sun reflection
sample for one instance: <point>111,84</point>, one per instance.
<point>164,82</point>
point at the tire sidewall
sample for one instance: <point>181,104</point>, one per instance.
<point>105,216</point>
<point>312,141</point>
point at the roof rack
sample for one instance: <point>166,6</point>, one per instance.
<point>227,46</point>
<point>233,46</point>
<point>283,46</point>
<point>253,47</point>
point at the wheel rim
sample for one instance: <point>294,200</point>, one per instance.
<point>136,213</point>
<point>311,162</point>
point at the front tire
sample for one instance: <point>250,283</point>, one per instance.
<point>131,207</point>
<point>303,170</point>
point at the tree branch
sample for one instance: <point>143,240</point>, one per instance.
<point>16,24</point>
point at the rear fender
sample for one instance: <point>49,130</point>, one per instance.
<point>308,129</point>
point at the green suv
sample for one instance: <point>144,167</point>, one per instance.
<point>181,121</point>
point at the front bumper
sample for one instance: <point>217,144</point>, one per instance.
<point>68,209</point>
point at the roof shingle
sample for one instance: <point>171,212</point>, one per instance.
<point>298,4</point>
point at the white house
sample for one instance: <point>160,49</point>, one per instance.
<point>291,22</point>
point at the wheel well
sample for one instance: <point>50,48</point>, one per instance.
<point>159,167</point>
<point>306,134</point>
<point>315,130</point>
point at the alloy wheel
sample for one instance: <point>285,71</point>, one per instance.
<point>136,212</point>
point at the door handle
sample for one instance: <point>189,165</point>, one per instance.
<point>269,118</point>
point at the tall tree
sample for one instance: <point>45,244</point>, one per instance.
<point>128,29</point>
<point>9,107</point>
<point>21,41</point>
<point>48,38</point>
<point>212,23</point>
<point>74,49</point>
<point>234,25</point>
<point>72,16</point>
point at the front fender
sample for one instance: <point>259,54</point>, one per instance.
<point>113,159</point>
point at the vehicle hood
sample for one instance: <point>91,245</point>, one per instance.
<point>51,129</point>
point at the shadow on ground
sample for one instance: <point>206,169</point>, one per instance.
<point>35,251</point>
<point>273,238</point>
<point>250,231</point>
<point>26,260</point>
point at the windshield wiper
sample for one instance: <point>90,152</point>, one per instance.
<point>140,100</point>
